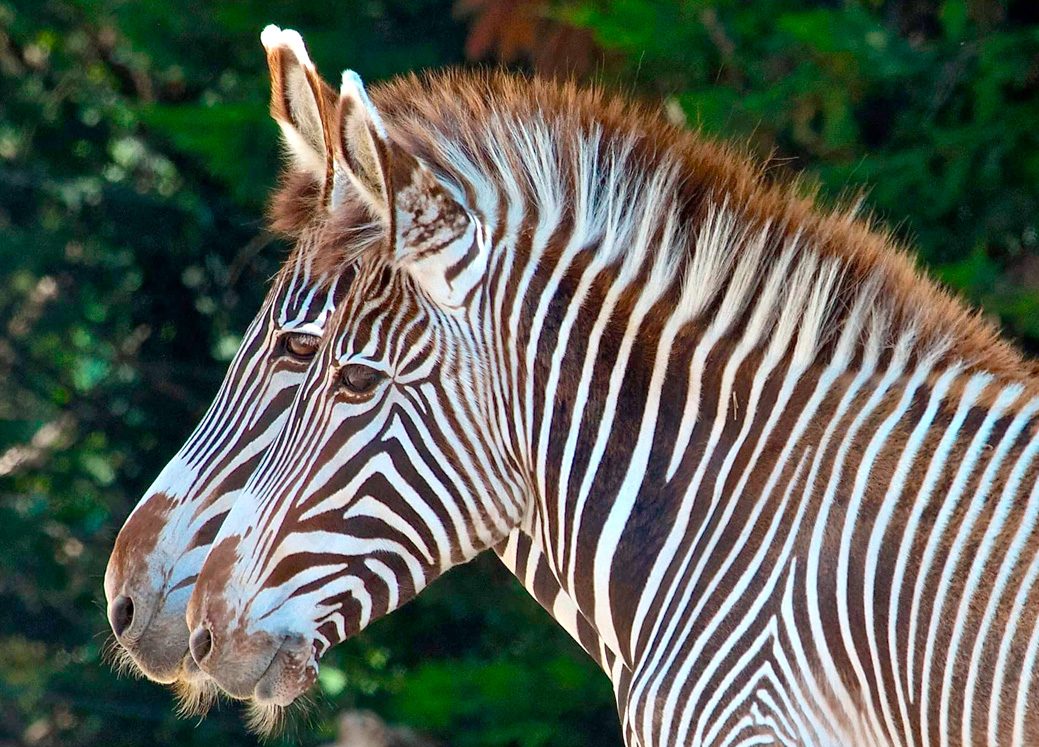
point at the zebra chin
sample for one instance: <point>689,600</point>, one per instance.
<point>150,637</point>
<point>167,665</point>
<point>291,673</point>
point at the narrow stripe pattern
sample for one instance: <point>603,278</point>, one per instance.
<point>199,484</point>
<point>779,486</point>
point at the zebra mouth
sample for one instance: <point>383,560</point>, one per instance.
<point>158,654</point>
<point>189,670</point>
<point>183,671</point>
<point>292,671</point>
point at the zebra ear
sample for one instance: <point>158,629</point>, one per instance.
<point>432,235</point>
<point>435,238</point>
<point>362,149</point>
<point>302,104</point>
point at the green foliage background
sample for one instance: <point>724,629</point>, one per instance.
<point>135,156</point>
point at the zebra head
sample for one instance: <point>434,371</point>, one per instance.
<point>161,547</point>
<point>393,463</point>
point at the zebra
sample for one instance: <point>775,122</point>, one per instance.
<point>160,549</point>
<point>827,539</point>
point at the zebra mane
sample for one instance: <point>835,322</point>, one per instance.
<point>695,222</point>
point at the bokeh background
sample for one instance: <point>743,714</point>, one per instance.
<point>135,158</point>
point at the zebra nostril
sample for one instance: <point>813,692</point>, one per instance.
<point>200,643</point>
<point>120,615</point>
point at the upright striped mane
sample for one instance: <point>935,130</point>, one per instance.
<point>621,170</point>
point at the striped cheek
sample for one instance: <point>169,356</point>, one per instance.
<point>379,481</point>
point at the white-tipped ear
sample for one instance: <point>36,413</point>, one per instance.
<point>302,104</point>
<point>430,235</point>
<point>362,149</point>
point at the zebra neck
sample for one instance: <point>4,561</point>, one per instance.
<point>874,493</point>
<point>915,529</point>
<point>525,560</point>
<point>723,418</point>
<point>523,556</point>
<point>770,469</point>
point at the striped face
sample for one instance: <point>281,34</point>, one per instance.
<point>160,549</point>
<point>384,475</point>
<point>390,466</point>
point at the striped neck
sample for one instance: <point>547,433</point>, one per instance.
<point>692,474</point>
<point>700,451</point>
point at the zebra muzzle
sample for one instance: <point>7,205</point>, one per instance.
<point>292,671</point>
<point>151,632</point>
<point>270,669</point>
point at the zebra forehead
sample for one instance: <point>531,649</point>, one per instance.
<point>328,243</point>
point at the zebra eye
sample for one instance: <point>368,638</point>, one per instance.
<point>358,379</point>
<point>300,346</point>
